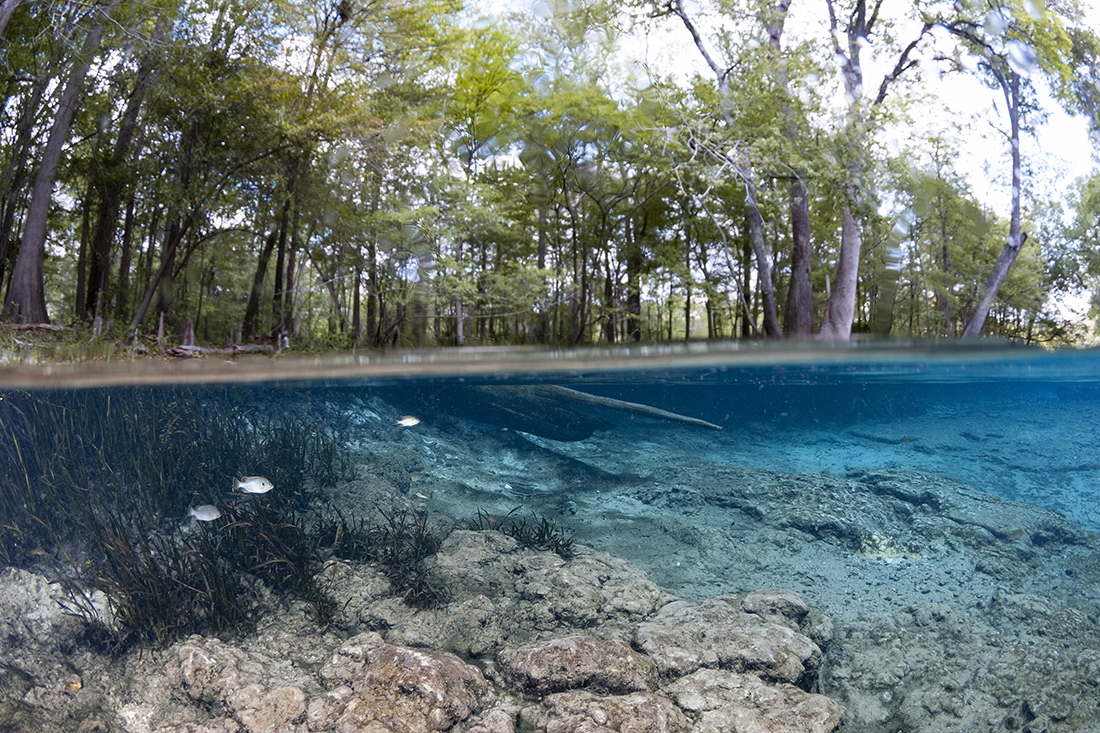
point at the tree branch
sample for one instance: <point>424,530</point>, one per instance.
<point>903,64</point>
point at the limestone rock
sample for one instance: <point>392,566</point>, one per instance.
<point>208,670</point>
<point>585,711</point>
<point>992,667</point>
<point>401,690</point>
<point>725,701</point>
<point>350,659</point>
<point>29,610</point>
<point>577,662</point>
<point>280,710</point>
<point>720,633</point>
<point>507,595</point>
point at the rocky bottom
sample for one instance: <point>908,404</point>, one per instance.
<point>530,642</point>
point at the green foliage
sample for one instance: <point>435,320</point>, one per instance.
<point>370,174</point>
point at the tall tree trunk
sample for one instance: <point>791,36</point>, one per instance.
<point>748,321</point>
<point>177,227</point>
<point>111,186</point>
<point>1016,237</point>
<point>161,284</point>
<point>82,254</point>
<point>799,313</point>
<point>744,169</point>
<point>26,298</point>
<point>356,325</point>
<point>763,258</point>
<point>284,263</point>
<point>841,304</point>
<point>252,309</point>
<point>542,318</point>
<point>122,291</point>
<point>7,8</point>
<point>17,173</point>
<point>373,329</point>
<point>798,316</point>
<point>635,260</point>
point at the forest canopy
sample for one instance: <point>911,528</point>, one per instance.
<point>419,172</point>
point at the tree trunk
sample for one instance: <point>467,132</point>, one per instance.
<point>7,8</point>
<point>1016,237</point>
<point>17,173</point>
<point>174,234</point>
<point>252,309</point>
<point>82,255</point>
<point>162,280</point>
<point>111,185</point>
<point>841,305</point>
<point>799,314</point>
<point>27,296</point>
<point>122,291</point>
<point>763,258</point>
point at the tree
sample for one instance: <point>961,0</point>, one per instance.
<point>26,299</point>
<point>1011,43</point>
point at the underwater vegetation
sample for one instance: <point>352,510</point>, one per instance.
<point>163,448</point>
<point>399,545</point>
<point>96,485</point>
<point>539,534</point>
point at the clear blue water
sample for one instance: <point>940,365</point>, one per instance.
<point>873,479</point>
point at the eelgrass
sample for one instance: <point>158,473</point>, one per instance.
<point>99,482</point>
<point>539,534</point>
<point>399,545</point>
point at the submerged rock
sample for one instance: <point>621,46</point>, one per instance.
<point>992,668</point>
<point>553,641</point>
<point>725,701</point>
<point>507,595</point>
<point>585,711</point>
<point>399,689</point>
<point>721,633</point>
<point>724,664</point>
<point>576,663</point>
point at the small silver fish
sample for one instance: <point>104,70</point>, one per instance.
<point>254,485</point>
<point>408,421</point>
<point>204,513</point>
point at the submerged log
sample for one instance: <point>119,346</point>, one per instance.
<point>548,411</point>
<point>632,407</point>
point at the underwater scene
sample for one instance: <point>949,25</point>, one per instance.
<point>696,539</point>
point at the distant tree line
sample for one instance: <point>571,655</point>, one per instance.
<point>346,173</point>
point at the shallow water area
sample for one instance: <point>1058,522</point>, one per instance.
<point>935,503</point>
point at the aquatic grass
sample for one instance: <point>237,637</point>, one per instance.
<point>159,586</point>
<point>539,534</point>
<point>399,545</point>
<point>95,484</point>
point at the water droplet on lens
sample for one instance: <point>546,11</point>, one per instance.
<point>995,23</point>
<point>1021,57</point>
<point>1035,9</point>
